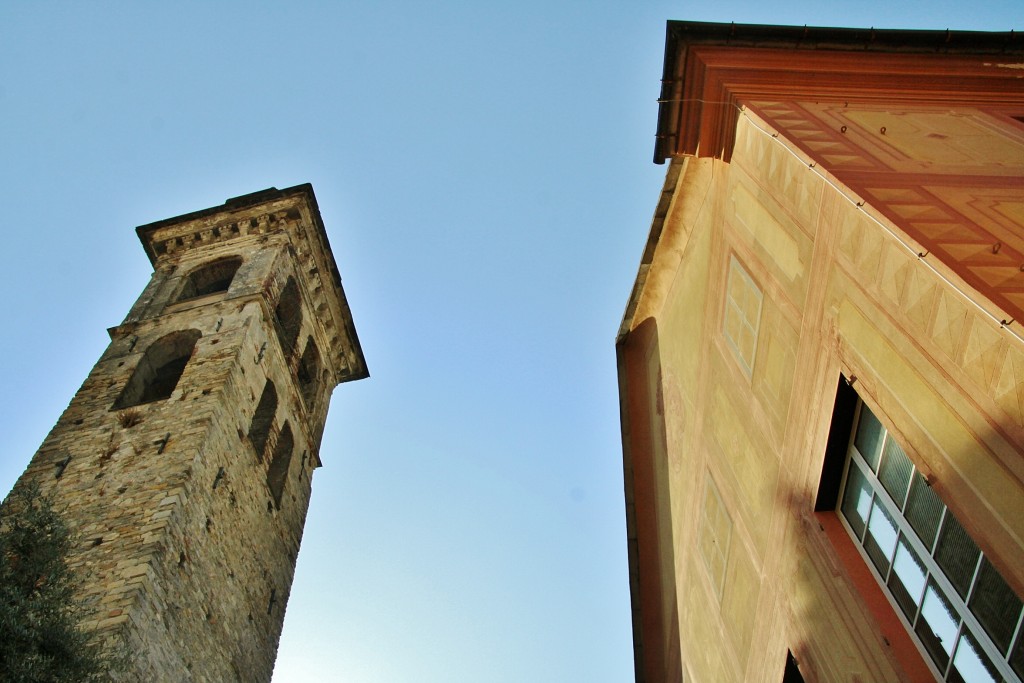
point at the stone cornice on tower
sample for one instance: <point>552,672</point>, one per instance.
<point>294,212</point>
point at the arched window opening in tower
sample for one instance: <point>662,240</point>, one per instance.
<point>259,430</point>
<point>209,278</point>
<point>309,374</point>
<point>288,317</point>
<point>277,473</point>
<point>159,370</point>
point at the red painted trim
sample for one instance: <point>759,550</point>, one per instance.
<point>901,644</point>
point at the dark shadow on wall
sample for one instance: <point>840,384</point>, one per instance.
<point>844,615</point>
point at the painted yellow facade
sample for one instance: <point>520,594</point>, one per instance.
<point>769,284</point>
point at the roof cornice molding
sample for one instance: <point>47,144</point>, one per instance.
<point>711,70</point>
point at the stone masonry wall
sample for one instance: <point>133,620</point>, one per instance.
<point>186,554</point>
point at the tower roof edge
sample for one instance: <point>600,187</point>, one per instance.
<point>237,217</point>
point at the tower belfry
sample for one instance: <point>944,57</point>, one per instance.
<point>184,462</point>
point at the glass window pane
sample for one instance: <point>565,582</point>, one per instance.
<point>881,539</point>
<point>924,510</point>
<point>937,626</point>
<point>956,554</point>
<point>971,665</point>
<point>907,579</point>
<point>869,437</point>
<point>995,605</point>
<point>979,650</point>
<point>856,500</point>
<point>895,471</point>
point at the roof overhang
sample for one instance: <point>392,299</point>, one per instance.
<point>712,69</point>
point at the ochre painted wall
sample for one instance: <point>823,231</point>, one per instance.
<point>740,458</point>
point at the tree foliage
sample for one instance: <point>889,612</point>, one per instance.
<point>40,637</point>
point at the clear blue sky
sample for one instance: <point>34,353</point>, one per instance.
<point>484,171</point>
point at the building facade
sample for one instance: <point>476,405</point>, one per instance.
<point>821,364</point>
<point>184,462</point>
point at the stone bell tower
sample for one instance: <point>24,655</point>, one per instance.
<point>184,460</point>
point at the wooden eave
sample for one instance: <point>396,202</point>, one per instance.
<point>711,70</point>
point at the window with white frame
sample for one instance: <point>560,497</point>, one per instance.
<point>742,316</point>
<point>950,597</point>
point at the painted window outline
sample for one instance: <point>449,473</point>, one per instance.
<point>159,369</point>
<point>212,277</point>
<point>902,544</point>
<point>735,321</point>
<point>708,537</point>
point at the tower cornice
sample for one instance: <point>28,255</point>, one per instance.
<point>295,213</point>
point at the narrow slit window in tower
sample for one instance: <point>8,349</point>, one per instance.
<point>277,473</point>
<point>309,374</point>
<point>259,430</point>
<point>288,317</point>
